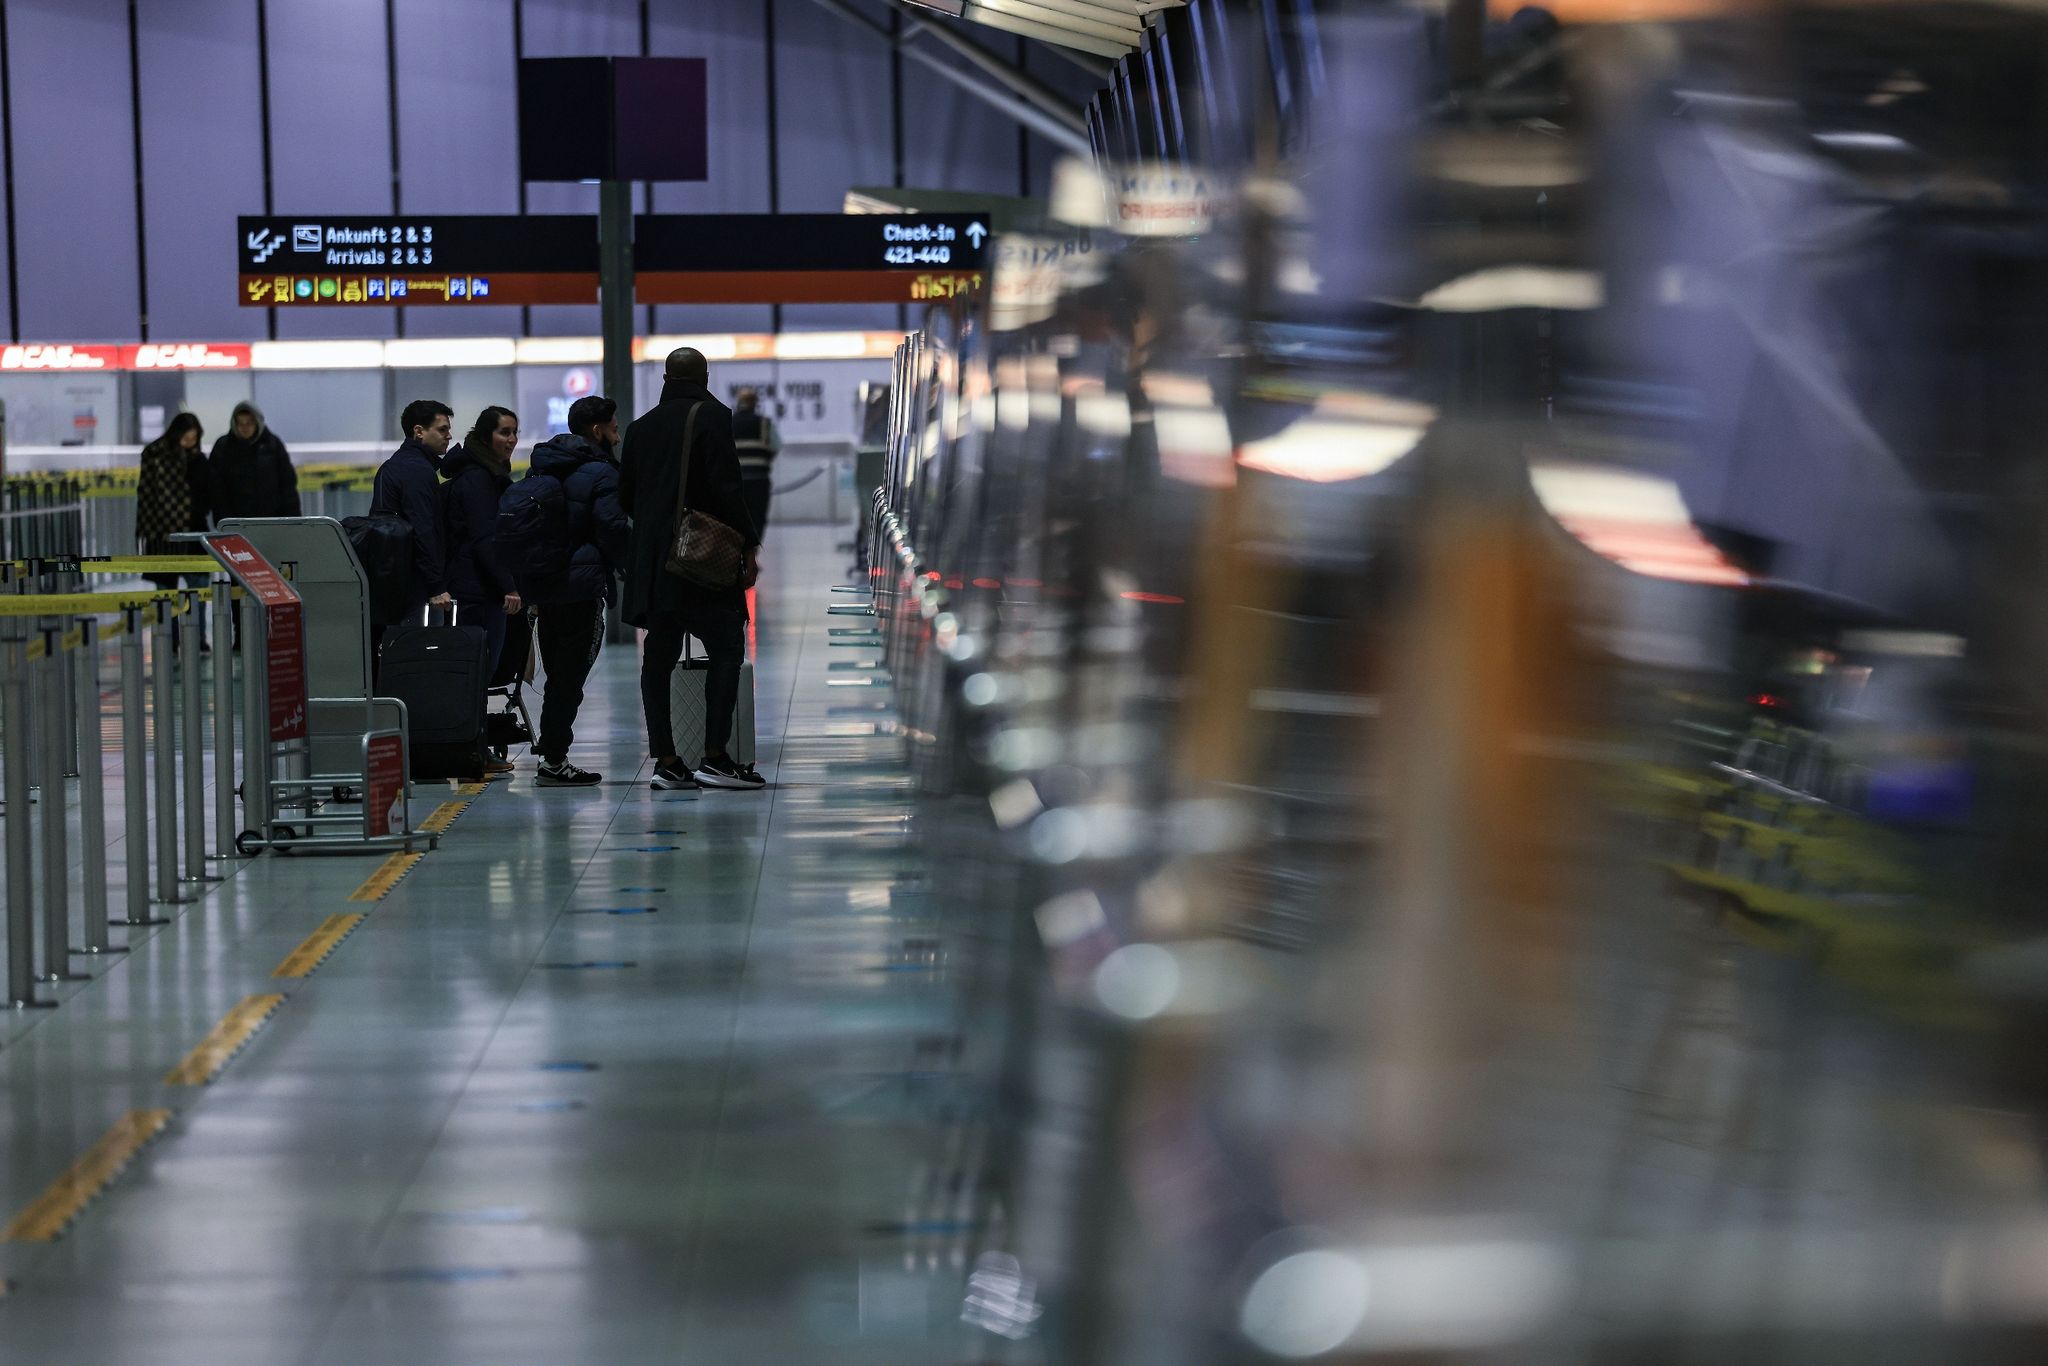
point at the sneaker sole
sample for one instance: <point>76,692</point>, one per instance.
<point>672,785</point>
<point>557,782</point>
<point>729,784</point>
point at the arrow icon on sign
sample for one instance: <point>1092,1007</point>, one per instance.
<point>975,232</point>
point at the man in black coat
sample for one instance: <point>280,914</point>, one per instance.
<point>251,472</point>
<point>572,608</point>
<point>408,487</point>
<point>668,607</point>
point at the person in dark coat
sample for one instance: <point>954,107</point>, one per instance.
<point>251,472</point>
<point>758,442</point>
<point>669,607</point>
<point>408,486</point>
<point>476,474</point>
<point>571,611</point>
<point>173,494</point>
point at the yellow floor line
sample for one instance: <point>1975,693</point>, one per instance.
<point>471,790</point>
<point>443,817</point>
<point>318,945</point>
<point>225,1040</point>
<point>87,1177</point>
<point>379,884</point>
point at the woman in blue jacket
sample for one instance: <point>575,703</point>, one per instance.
<point>477,472</point>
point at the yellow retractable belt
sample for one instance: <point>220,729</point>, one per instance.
<point>149,564</point>
<point>94,604</point>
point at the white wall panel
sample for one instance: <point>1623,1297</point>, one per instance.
<point>202,163</point>
<point>330,132</point>
<point>73,134</point>
<point>834,129</point>
<point>731,38</point>
<point>458,132</point>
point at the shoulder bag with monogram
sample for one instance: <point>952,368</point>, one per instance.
<point>706,551</point>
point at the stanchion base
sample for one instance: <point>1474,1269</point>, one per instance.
<point>31,1005</point>
<point>94,953</point>
<point>202,880</point>
<point>146,924</point>
<point>50,978</point>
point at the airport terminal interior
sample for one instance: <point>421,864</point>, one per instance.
<point>1023,682</point>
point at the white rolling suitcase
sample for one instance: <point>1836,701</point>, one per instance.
<point>686,709</point>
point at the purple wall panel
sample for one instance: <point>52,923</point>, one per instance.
<point>731,39</point>
<point>74,179</point>
<point>575,28</point>
<point>330,133</point>
<point>834,129</point>
<point>458,132</point>
<point>953,141</point>
<point>202,164</point>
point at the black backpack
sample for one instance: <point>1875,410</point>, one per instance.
<point>532,531</point>
<point>383,545</point>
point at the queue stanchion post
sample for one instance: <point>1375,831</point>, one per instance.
<point>134,776</point>
<point>15,764</point>
<point>163,703</point>
<point>92,791</point>
<point>257,764</point>
<point>223,717</point>
<point>193,724</point>
<point>56,870</point>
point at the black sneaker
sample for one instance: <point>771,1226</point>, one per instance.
<point>566,774</point>
<point>727,773</point>
<point>673,776</point>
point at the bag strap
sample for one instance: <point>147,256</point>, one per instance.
<point>689,456</point>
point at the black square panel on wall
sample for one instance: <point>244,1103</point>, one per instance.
<point>613,118</point>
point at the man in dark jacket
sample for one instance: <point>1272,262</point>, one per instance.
<point>667,606</point>
<point>251,472</point>
<point>571,609</point>
<point>408,487</point>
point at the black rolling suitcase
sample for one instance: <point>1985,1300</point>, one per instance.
<point>440,673</point>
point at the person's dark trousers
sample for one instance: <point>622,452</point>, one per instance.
<point>491,617</point>
<point>755,489</point>
<point>723,633</point>
<point>570,634</point>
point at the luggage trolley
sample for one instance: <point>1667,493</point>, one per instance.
<point>353,747</point>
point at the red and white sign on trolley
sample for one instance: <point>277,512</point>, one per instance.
<point>285,631</point>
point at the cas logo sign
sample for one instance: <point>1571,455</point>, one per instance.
<point>60,358</point>
<point>185,356</point>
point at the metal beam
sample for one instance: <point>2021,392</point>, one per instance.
<point>1024,86</point>
<point>1017,95</point>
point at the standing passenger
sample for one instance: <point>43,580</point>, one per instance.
<point>252,472</point>
<point>477,472</point>
<point>408,487</point>
<point>757,442</point>
<point>670,607</point>
<point>571,609</point>
<point>172,495</point>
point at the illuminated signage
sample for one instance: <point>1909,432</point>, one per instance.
<point>60,358</point>
<point>312,262</point>
<point>678,258</point>
<point>808,257</point>
<point>186,356</point>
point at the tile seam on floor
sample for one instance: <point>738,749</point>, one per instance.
<point>350,1284</point>
<point>678,1320</point>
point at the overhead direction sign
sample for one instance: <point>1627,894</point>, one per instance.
<point>325,262</point>
<point>807,257</point>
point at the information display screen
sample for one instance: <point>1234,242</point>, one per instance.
<point>312,262</point>
<point>808,258</point>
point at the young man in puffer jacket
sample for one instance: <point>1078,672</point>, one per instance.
<point>571,609</point>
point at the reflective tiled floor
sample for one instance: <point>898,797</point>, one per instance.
<point>613,1076</point>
